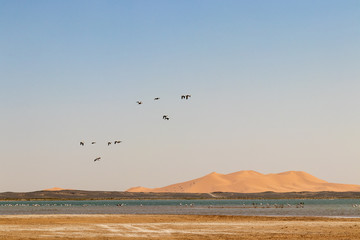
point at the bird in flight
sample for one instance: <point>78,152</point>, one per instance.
<point>81,143</point>
<point>97,159</point>
<point>115,142</point>
<point>185,96</point>
<point>139,102</point>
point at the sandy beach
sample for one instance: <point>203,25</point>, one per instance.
<point>175,227</point>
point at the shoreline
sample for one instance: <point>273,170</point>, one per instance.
<point>95,215</point>
<point>175,215</point>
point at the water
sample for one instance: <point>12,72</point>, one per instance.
<point>282,207</point>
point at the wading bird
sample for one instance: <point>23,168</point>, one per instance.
<point>81,143</point>
<point>117,142</point>
<point>109,143</point>
<point>97,159</point>
<point>139,102</point>
<point>157,98</point>
<point>165,117</point>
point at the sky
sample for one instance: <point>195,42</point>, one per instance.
<point>274,87</point>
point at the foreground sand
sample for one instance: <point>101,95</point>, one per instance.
<point>175,227</point>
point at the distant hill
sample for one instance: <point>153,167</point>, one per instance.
<point>115,195</point>
<point>253,182</point>
<point>55,189</point>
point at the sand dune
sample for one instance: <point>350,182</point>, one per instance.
<point>55,189</point>
<point>253,182</point>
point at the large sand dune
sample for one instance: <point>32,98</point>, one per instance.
<point>253,182</point>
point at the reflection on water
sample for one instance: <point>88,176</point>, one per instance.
<point>282,207</point>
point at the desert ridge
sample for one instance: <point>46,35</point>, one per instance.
<point>253,182</point>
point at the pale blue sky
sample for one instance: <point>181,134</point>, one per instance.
<point>275,87</point>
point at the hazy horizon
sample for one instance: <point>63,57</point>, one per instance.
<point>274,87</point>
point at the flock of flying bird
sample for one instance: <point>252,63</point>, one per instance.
<point>165,117</point>
<point>108,143</point>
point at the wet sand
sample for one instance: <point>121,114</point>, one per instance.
<point>175,227</point>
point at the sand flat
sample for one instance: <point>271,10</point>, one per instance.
<point>175,227</point>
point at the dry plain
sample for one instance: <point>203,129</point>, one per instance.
<point>175,227</point>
